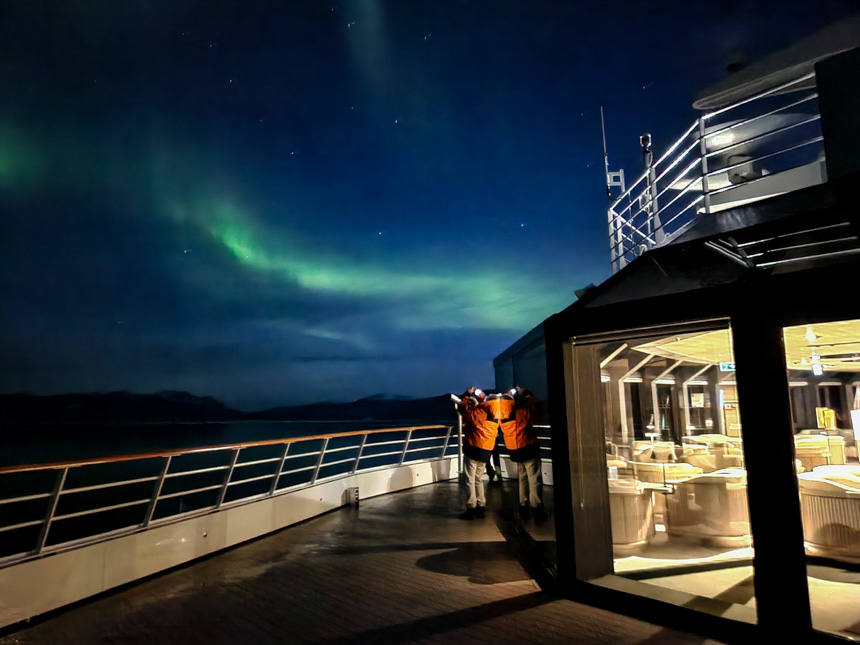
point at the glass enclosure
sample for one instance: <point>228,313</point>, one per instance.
<point>823,362</point>
<point>675,478</point>
<point>527,369</point>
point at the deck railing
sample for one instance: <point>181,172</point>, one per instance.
<point>49,508</point>
<point>726,158</point>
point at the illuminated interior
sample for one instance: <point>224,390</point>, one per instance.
<point>824,371</point>
<point>677,479</point>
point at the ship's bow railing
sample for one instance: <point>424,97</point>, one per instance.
<point>50,508</point>
<point>767,144</point>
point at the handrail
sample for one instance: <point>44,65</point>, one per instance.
<point>94,505</point>
<point>78,505</point>
<point>204,449</point>
<point>642,217</point>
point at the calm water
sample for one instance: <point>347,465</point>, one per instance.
<point>35,445</point>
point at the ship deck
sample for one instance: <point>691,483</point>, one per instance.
<point>400,568</point>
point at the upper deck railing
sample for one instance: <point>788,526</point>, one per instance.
<point>49,508</point>
<point>767,144</point>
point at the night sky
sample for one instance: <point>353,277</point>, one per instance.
<point>284,202</point>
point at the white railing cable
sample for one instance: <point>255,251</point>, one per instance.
<point>198,471</point>
<point>256,462</point>
<point>764,135</point>
<point>760,95</point>
<point>124,482</point>
<point>759,117</point>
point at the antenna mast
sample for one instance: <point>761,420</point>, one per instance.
<point>612,178</point>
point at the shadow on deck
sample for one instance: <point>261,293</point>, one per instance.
<point>400,568</point>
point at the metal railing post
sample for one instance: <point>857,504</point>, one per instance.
<point>223,492</point>
<point>447,440</point>
<point>156,491</point>
<point>52,509</point>
<point>405,448</point>
<point>358,456</point>
<point>703,152</point>
<point>459,443</point>
<point>277,474</point>
<point>319,461</point>
<point>613,247</point>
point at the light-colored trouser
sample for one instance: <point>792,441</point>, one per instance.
<point>530,482</point>
<point>474,472</point>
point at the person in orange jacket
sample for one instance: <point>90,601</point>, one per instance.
<point>479,438</point>
<point>524,449</point>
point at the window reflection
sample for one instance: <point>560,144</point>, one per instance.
<point>675,468</point>
<point>823,363</point>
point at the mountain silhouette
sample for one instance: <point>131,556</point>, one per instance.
<point>182,407</point>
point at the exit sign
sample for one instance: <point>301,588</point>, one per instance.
<point>728,366</point>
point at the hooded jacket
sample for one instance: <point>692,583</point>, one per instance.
<point>479,430</point>
<point>520,437</point>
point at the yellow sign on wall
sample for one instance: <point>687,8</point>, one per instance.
<point>826,418</point>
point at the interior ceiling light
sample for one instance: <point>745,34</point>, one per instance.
<point>817,368</point>
<point>811,336</point>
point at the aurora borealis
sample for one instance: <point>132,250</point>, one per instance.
<point>285,202</point>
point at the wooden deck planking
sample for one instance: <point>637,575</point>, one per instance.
<point>399,569</point>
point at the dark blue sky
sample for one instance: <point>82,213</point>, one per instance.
<point>283,202</point>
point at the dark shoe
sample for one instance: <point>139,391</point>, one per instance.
<point>525,512</point>
<point>539,513</point>
<point>468,514</point>
<point>479,512</point>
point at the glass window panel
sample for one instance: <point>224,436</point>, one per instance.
<point>675,476</point>
<point>823,363</point>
